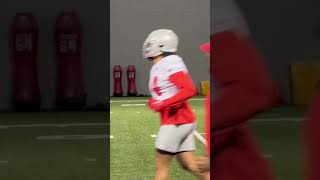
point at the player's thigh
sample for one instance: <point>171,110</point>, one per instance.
<point>187,160</point>
<point>188,142</point>
<point>167,139</point>
<point>163,159</point>
<point>175,138</point>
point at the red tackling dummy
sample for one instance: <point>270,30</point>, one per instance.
<point>245,89</point>
<point>312,132</point>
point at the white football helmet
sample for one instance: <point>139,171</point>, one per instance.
<point>160,41</point>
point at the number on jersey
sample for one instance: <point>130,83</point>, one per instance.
<point>155,87</point>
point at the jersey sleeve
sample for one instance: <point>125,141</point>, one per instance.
<point>176,65</point>
<point>185,86</point>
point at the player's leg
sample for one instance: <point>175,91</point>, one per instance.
<point>206,176</point>
<point>167,143</point>
<point>186,155</point>
<point>162,165</point>
<point>188,162</point>
<point>203,163</point>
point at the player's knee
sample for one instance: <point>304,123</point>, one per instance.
<point>162,168</point>
<point>185,167</point>
<point>193,169</point>
<point>162,173</point>
<point>189,167</point>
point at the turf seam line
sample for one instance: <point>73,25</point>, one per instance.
<point>90,159</point>
<point>52,125</point>
<point>277,119</point>
<point>74,137</point>
<point>132,105</point>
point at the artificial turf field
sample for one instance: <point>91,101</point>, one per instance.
<point>74,145</point>
<point>53,146</point>
<point>132,146</point>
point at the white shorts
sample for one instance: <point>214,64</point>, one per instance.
<point>176,138</point>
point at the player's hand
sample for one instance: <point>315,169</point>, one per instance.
<point>155,105</point>
<point>203,163</point>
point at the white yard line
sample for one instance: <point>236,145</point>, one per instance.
<point>132,105</point>
<point>199,137</point>
<point>153,135</point>
<point>52,125</point>
<point>202,99</point>
<point>90,159</point>
<point>144,100</point>
<point>4,161</point>
<point>277,119</point>
<point>63,125</point>
<point>74,137</point>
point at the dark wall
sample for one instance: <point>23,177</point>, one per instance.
<point>284,32</point>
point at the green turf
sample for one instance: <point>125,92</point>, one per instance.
<point>22,156</point>
<point>283,141</point>
<point>132,149</point>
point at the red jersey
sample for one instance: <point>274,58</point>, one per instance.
<point>238,71</point>
<point>170,82</point>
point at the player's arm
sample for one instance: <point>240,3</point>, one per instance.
<point>185,86</point>
<point>186,90</point>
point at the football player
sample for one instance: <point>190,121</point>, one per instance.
<point>171,86</point>
<point>204,161</point>
<point>244,89</point>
